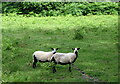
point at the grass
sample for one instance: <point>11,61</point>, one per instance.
<point>95,35</point>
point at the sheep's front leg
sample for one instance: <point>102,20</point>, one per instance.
<point>70,67</point>
<point>54,70</point>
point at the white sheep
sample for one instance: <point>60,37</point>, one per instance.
<point>65,58</point>
<point>42,56</point>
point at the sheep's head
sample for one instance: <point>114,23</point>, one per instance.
<point>54,50</point>
<point>75,49</point>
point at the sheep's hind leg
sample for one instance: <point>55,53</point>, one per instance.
<point>70,67</point>
<point>54,70</point>
<point>34,62</point>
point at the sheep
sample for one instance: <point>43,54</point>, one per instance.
<point>64,58</point>
<point>42,56</point>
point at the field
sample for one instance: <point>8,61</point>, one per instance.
<point>97,36</point>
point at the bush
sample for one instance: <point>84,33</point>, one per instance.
<point>60,8</point>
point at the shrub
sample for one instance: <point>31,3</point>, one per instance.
<point>60,8</point>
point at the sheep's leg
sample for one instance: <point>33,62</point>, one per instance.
<point>34,62</point>
<point>70,67</point>
<point>54,70</point>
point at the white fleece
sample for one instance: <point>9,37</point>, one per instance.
<point>43,56</point>
<point>64,57</point>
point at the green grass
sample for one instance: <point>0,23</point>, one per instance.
<point>98,57</point>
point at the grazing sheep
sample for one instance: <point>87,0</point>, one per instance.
<point>64,58</point>
<point>42,56</point>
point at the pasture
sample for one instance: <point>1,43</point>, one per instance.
<point>97,36</point>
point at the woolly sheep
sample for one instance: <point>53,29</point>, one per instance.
<point>64,58</point>
<point>42,56</point>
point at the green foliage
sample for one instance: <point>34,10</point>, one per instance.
<point>23,35</point>
<point>60,8</point>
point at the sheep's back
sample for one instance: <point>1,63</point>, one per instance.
<point>68,58</point>
<point>64,57</point>
<point>57,56</point>
<point>43,56</point>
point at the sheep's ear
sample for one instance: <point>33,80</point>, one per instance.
<point>52,48</point>
<point>57,48</point>
<point>73,48</point>
<point>78,48</point>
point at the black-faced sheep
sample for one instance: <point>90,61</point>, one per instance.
<point>65,58</point>
<point>42,56</point>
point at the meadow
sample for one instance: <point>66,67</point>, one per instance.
<point>97,36</point>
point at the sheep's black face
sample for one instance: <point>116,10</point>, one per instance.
<point>75,49</point>
<point>54,50</point>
